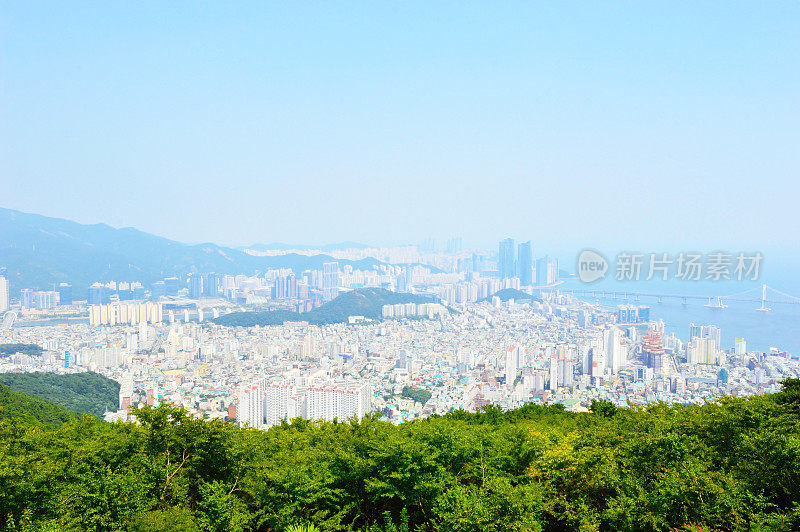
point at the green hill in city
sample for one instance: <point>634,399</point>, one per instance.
<point>367,302</point>
<point>25,349</point>
<point>511,293</point>
<point>34,411</point>
<point>87,393</point>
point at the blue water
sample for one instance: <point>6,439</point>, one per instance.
<point>779,328</point>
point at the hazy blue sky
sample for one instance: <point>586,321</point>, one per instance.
<point>641,125</point>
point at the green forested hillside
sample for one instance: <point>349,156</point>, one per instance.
<point>31,411</point>
<point>25,349</point>
<point>88,393</point>
<point>732,464</point>
<point>367,302</point>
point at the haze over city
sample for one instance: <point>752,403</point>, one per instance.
<point>391,123</point>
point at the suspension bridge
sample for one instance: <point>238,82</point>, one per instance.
<point>767,297</point>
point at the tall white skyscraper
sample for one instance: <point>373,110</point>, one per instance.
<point>553,371</point>
<point>702,351</point>
<point>512,365</point>
<point>616,354</point>
<point>250,411</point>
<point>330,280</point>
<point>3,294</point>
<point>740,346</point>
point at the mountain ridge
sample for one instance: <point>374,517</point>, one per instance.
<point>42,251</point>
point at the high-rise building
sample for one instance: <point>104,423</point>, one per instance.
<point>210,285</point>
<point>566,371</point>
<point>27,298</point>
<point>525,263</point>
<point>701,351</point>
<point>541,271</point>
<point>340,401</point>
<point>4,299</point>
<point>282,402</point>
<point>286,287</point>
<point>616,353</point>
<point>653,351</point>
<point>171,286</point>
<point>554,372</point>
<point>97,294</point>
<point>250,411</point>
<point>196,286</point>
<point>546,271</point>
<point>506,264</point>
<point>512,365</point>
<point>330,280</point>
<point>65,294</point>
<point>740,346</point>
<point>45,299</point>
<point>265,404</point>
<point>454,245</point>
<point>706,331</point>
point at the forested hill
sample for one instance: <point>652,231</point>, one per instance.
<point>367,302</point>
<point>87,393</point>
<point>730,464</point>
<point>512,293</point>
<point>31,411</point>
<point>24,349</point>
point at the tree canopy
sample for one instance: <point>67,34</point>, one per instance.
<point>730,464</point>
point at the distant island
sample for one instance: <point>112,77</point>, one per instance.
<point>366,302</point>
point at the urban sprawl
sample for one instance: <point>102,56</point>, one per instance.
<point>497,332</point>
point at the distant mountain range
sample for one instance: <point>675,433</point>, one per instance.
<point>280,246</point>
<point>39,251</point>
<point>367,302</point>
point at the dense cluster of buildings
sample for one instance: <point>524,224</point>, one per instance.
<point>559,350</point>
<point>468,351</point>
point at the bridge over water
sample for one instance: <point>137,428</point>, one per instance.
<point>768,296</point>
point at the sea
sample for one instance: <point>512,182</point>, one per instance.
<point>779,328</point>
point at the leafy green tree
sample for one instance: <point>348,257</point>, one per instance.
<point>174,519</point>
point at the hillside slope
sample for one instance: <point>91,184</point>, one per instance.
<point>87,393</point>
<point>33,410</point>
